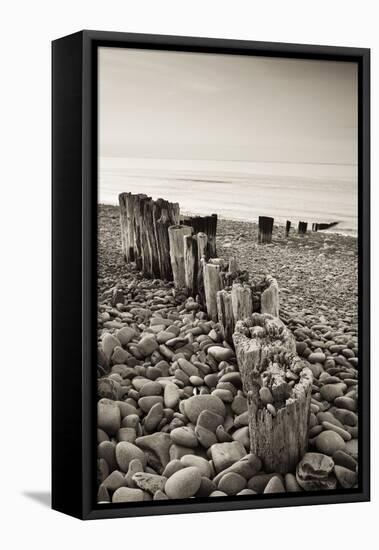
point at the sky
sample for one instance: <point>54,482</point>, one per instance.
<point>179,105</point>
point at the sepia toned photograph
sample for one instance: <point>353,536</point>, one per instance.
<point>227,276</point>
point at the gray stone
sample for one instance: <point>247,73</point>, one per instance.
<point>126,494</point>
<point>198,462</point>
<point>149,482</point>
<point>199,403</point>
<point>126,452</point>
<point>232,483</point>
<point>328,442</point>
<point>226,454</point>
<point>315,472</point>
<point>108,416</point>
<point>184,483</point>
<point>184,436</point>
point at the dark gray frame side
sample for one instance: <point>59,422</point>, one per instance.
<point>74,268</point>
<point>67,317</point>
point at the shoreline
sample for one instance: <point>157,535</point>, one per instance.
<point>277,224</point>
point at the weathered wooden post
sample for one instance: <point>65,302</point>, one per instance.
<point>288,228</point>
<point>140,252</point>
<point>302,228</point>
<point>233,265</point>
<point>190,263</point>
<point>176,234</point>
<point>265,225</point>
<point>201,258</point>
<point>270,297</point>
<point>212,284</point>
<point>202,240</point>
<point>128,208</point>
<point>207,225</point>
<point>242,303</point>
<point>225,314</point>
<point>278,385</point>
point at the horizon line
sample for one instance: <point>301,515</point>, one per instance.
<point>234,160</point>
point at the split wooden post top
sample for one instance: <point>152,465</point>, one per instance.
<point>278,385</point>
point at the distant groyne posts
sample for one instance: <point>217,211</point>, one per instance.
<point>302,228</point>
<point>265,227</point>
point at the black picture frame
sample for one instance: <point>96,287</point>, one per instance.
<point>74,228</point>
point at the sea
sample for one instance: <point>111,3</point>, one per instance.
<point>240,190</point>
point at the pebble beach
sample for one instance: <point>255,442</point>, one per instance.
<point>172,413</point>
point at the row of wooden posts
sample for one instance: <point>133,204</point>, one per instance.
<point>266,224</point>
<point>247,313</point>
<point>146,226</point>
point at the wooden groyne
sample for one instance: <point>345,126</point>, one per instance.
<point>245,313</point>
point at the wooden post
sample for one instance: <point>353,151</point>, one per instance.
<point>201,258</point>
<point>302,228</point>
<point>225,314</point>
<point>265,225</point>
<point>190,263</point>
<point>288,228</point>
<point>270,297</point>
<point>207,225</point>
<point>138,228</point>
<point>176,234</point>
<point>233,265</point>
<point>212,284</point>
<point>278,411</point>
<point>165,214</point>
<point>242,303</point>
<point>127,212</point>
<point>161,224</point>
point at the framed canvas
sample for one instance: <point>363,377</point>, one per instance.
<point>210,275</point>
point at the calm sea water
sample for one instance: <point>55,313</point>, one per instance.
<point>240,190</point>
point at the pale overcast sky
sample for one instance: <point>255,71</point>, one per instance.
<point>176,105</point>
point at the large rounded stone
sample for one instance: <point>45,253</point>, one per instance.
<point>247,467</point>
<point>156,447</point>
<point>199,403</point>
<point>274,485</point>
<point>317,357</point>
<point>126,452</point>
<point>109,342</point>
<point>314,472</point>
<point>151,388</point>
<point>171,395</point>
<point>147,345</point>
<point>198,462</point>
<point>226,454</point>
<point>345,477</point>
<point>125,335</point>
<point>220,353</point>
<point>184,436</point>
<point>183,483</point>
<point>232,483</point>
<point>328,442</point>
<point>108,416</point>
<point>330,392</point>
<point>126,494</point>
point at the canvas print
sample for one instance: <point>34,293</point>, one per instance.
<point>227,314</point>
